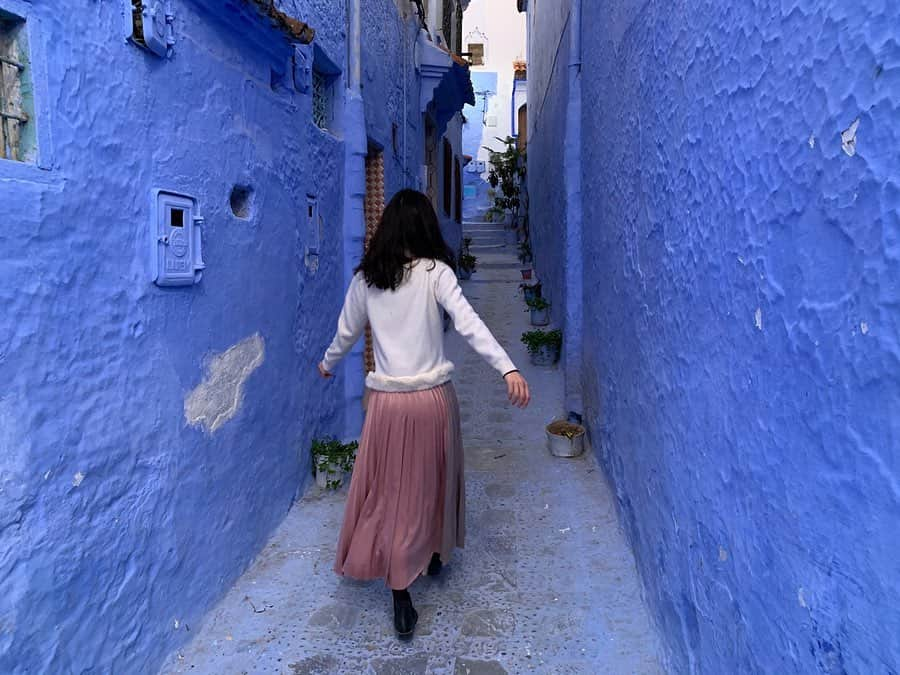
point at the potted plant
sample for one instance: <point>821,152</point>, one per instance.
<point>565,439</point>
<point>467,265</point>
<point>525,256</point>
<point>332,460</point>
<point>507,178</point>
<point>526,273</point>
<point>543,346</point>
<point>531,290</point>
<point>540,311</point>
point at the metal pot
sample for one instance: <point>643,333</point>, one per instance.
<point>561,445</point>
<point>540,317</point>
<point>333,472</point>
<point>545,356</point>
<point>530,293</point>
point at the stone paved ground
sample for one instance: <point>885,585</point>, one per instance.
<point>546,583</point>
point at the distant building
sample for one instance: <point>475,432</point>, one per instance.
<point>494,40</point>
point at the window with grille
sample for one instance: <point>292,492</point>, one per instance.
<point>17,139</point>
<point>323,99</point>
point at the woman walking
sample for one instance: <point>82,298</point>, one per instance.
<point>405,509</point>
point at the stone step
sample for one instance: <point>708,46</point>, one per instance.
<point>486,248</point>
<point>481,240</point>
<point>483,227</point>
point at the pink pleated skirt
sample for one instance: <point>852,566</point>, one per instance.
<point>407,494</point>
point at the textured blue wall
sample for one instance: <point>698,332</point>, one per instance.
<point>548,92</point>
<point>121,522</point>
<point>742,362</point>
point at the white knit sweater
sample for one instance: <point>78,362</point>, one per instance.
<point>408,331</point>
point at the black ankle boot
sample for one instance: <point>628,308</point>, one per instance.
<point>434,567</point>
<point>405,615</point>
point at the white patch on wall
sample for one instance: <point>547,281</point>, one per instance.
<point>801,597</point>
<point>848,138</point>
<point>77,479</point>
<point>757,318</point>
<point>864,327</point>
<point>812,141</point>
<point>219,396</point>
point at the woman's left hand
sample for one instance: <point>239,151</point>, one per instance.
<point>324,373</point>
<point>517,389</point>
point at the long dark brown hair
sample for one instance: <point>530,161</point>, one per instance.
<point>409,230</point>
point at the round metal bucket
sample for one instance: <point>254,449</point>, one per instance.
<point>545,356</point>
<point>561,444</point>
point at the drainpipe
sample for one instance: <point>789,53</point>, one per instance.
<point>574,319</point>
<point>354,229</point>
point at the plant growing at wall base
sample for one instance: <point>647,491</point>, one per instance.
<point>331,460</point>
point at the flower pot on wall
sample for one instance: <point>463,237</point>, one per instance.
<point>565,439</point>
<point>531,292</point>
<point>540,317</point>
<point>526,273</point>
<point>465,274</point>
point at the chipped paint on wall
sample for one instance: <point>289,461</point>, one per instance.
<point>218,397</point>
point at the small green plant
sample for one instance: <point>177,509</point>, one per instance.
<point>534,340</point>
<point>506,177</point>
<point>537,303</point>
<point>493,215</point>
<point>329,454</point>
<point>467,262</point>
<point>524,251</point>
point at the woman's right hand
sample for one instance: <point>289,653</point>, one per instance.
<point>517,389</point>
<point>324,373</point>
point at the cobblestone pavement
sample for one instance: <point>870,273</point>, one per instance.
<point>545,584</point>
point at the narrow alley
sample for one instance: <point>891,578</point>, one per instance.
<point>692,209</point>
<point>545,584</point>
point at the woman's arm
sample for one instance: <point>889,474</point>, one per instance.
<point>351,324</point>
<point>467,322</point>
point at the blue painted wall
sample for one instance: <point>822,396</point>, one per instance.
<point>548,92</point>
<point>121,522</point>
<point>741,342</point>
